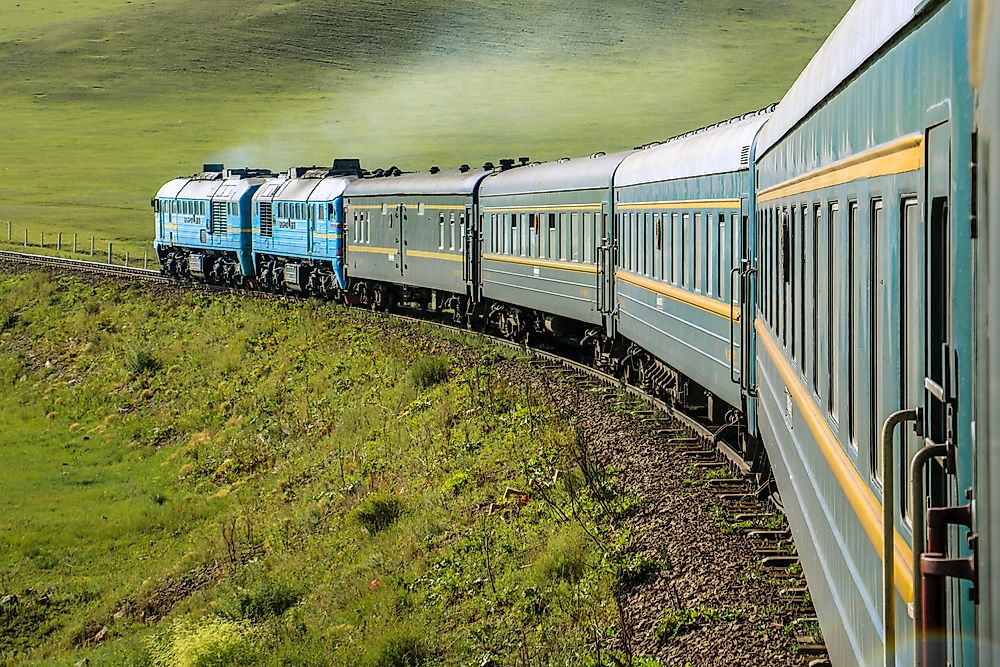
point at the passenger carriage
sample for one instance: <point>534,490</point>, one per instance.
<point>545,234</point>
<point>203,224</point>
<point>410,239</point>
<point>680,211</point>
<point>985,21</point>
<point>865,260</point>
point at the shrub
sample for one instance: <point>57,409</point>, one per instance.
<point>261,600</point>
<point>209,642</point>
<point>8,318</point>
<point>397,648</point>
<point>140,361</point>
<point>429,371</point>
<point>565,556</point>
<point>378,511</point>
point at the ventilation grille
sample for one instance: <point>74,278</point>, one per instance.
<point>266,219</point>
<point>745,156</point>
<point>218,217</point>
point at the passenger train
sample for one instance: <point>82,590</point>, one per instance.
<point>816,277</point>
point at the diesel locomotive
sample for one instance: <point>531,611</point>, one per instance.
<point>816,278</point>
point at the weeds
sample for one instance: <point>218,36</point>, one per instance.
<point>261,600</point>
<point>680,621</point>
<point>378,511</point>
<point>396,647</point>
<point>429,371</point>
<point>141,361</point>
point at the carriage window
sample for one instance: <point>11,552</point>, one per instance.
<point>711,256</point>
<point>420,208</point>
<point>575,242</point>
<point>814,274</point>
<point>554,231</point>
<point>875,342</point>
<point>451,232</point>
<point>461,230</point>
<point>852,315</point>
<point>440,231</point>
<point>680,248</point>
<point>804,305</point>
<point>385,208</point>
<point>836,312</point>
<point>721,266</point>
<point>589,224</point>
<point>699,240</point>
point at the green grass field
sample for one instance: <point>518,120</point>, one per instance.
<point>101,102</point>
<point>205,481</point>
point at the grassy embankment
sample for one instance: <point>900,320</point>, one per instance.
<point>101,102</point>
<point>206,480</point>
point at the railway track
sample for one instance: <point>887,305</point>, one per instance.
<point>706,446</point>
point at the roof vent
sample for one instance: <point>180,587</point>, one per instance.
<point>464,168</point>
<point>213,166</point>
<point>598,154</point>
<point>346,167</point>
<point>435,170</point>
<point>506,164</point>
<point>563,159</point>
<point>745,156</point>
<point>524,160</point>
<point>394,171</point>
<point>488,166</point>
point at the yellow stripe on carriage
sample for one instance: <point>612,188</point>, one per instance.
<point>682,295</point>
<point>896,157</point>
<point>378,251</point>
<point>528,208</point>
<point>866,506</point>
<point>409,207</point>
<point>681,204</point>
<point>426,254</point>
<point>542,263</point>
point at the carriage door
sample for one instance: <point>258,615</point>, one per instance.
<point>607,260</point>
<point>397,223</point>
<point>471,250</point>
<point>943,596</point>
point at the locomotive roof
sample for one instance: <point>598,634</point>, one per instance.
<point>196,188</point>
<point>585,173</point>
<point>715,150</point>
<point>451,182</point>
<point>311,189</point>
<point>866,27</point>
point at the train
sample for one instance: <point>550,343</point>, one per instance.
<point>816,279</point>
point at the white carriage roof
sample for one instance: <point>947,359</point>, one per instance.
<point>585,173</point>
<point>719,149</point>
<point>452,182</point>
<point>867,26</point>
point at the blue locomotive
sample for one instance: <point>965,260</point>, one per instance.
<point>816,279</point>
<point>203,224</point>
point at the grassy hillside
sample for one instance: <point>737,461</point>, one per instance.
<point>103,101</point>
<point>194,480</point>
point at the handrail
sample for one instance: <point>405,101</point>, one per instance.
<point>929,451</point>
<point>889,532</point>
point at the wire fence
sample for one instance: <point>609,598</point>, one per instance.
<point>73,244</point>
